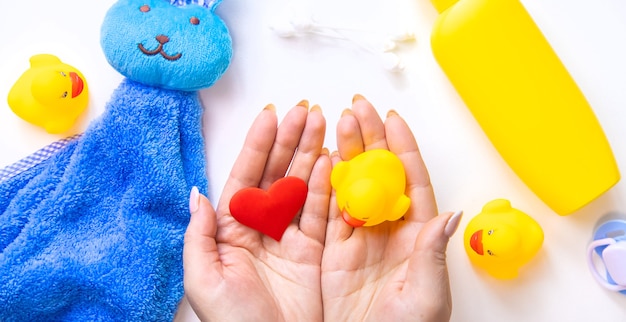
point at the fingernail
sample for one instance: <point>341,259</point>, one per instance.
<point>270,107</point>
<point>392,113</point>
<point>194,200</point>
<point>316,108</point>
<point>334,154</point>
<point>325,151</point>
<point>346,111</point>
<point>453,224</point>
<point>357,97</point>
<point>303,103</point>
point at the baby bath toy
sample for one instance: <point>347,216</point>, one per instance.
<point>370,188</point>
<point>50,94</point>
<point>501,239</point>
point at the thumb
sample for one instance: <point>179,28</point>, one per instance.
<point>201,261</point>
<point>427,274</point>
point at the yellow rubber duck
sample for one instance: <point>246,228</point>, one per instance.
<point>50,94</point>
<point>501,239</point>
<point>370,188</point>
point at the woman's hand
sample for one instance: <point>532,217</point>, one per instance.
<point>234,273</point>
<point>395,271</point>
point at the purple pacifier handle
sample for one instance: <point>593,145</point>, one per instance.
<point>592,266</point>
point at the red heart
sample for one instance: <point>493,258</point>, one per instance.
<point>269,212</point>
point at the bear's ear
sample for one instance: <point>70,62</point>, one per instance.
<point>209,4</point>
<point>212,4</point>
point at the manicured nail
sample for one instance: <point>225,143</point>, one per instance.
<point>357,97</point>
<point>270,107</point>
<point>325,151</point>
<point>334,154</point>
<point>194,200</point>
<point>347,111</point>
<point>392,113</point>
<point>453,224</point>
<point>316,108</point>
<point>303,103</point>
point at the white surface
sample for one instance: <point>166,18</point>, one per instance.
<point>465,169</point>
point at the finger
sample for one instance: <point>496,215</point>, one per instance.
<point>287,138</point>
<point>314,218</point>
<point>337,230</point>
<point>248,168</point>
<point>402,142</point>
<point>201,260</point>
<point>310,145</point>
<point>372,128</point>
<point>427,271</point>
<point>349,139</point>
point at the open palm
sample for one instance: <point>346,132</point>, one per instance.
<point>235,273</point>
<point>394,271</point>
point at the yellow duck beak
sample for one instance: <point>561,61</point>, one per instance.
<point>351,220</point>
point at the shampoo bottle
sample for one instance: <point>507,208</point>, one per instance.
<point>524,99</point>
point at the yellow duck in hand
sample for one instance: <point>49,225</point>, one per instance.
<point>501,239</point>
<point>50,94</point>
<point>370,188</point>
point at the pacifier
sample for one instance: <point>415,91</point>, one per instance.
<point>609,243</point>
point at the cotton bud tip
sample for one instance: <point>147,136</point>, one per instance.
<point>403,36</point>
<point>284,29</point>
<point>392,62</point>
<point>389,45</point>
<point>302,24</point>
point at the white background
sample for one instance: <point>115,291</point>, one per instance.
<point>589,36</point>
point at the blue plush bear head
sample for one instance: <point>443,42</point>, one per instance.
<point>182,45</point>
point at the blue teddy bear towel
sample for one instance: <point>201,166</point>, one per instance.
<point>95,232</point>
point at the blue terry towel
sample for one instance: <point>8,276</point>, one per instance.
<point>95,232</point>
<point>78,246</point>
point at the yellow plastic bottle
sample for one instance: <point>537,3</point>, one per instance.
<point>524,99</point>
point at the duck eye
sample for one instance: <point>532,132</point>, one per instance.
<point>490,232</point>
<point>194,21</point>
<point>489,252</point>
<point>144,8</point>
<point>63,74</point>
<point>64,94</point>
